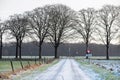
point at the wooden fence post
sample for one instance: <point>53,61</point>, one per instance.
<point>12,65</point>
<point>21,64</point>
<point>29,63</point>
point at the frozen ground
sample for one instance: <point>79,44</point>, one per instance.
<point>112,65</point>
<point>65,69</point>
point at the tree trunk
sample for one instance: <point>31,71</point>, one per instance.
<point>17,49</point>
<point>1,45</point>
<point>20,49</point>
<point>107,46</point>
<point>107,52</point>
<point>56,48</point>
<point>86,50</point>
<point>40,49</point>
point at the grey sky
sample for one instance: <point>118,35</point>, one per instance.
<point>10,7</point>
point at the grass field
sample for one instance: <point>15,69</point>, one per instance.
<point>99,57</point>
<point>105,74</point>
<point>27,75</point>
<point>26,57</point>
<point>6,70</point>
<point>5,66</point>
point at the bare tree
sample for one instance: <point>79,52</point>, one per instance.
<point>24,30</point>
<point>61,18</point>
<point>39,22</point>
<point>86,23</point>
<point>17,25</point>
<point>107,29</point>
<point>2,29</point>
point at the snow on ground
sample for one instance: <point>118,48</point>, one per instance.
<point>71,71</point>
<point>65,69</point>
<point>112,65</point>
<point>89,72</point>
<point>52,72</point>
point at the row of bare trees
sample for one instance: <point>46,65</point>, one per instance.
<point>55,23</point>
<point>17,26</point>
<point>2,30</point>
<point>101,24</point>
<point>51,22</point>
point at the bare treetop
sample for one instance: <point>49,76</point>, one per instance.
<point>61,19</point>
<point>107,18</point>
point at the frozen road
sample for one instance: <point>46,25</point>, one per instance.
<point>65,69</point>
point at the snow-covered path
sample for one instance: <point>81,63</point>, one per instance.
<point>65,69</point>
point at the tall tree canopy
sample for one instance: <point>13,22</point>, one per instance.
<point>61,18</point>
<point>17,25</point>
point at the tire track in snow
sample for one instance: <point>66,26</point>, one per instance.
<point>59,70</point>
<point>78,73</point>
<point>52,73</point>
<point>71,71</point>
<point>65,69</point>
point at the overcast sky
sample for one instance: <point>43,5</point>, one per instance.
<point>10,7</point>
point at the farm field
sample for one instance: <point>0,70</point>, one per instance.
<point>30,74</point>
<point>5,66</point>
<point>18,66</point>
<point>106,69</point>
<point>72,68</point>
<point>111,65</point>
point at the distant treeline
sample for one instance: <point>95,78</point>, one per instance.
<point>66,49</point>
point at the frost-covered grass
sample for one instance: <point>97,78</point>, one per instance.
<point>28,75</point>
<point>111,65</point>
<point>26,57</point>
<point>99,57</point>
<point>5,66</point>
<point>48,65</point>
<point>103,73</point>
<point>104,57</point>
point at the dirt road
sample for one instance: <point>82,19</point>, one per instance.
<point>66,69</point>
